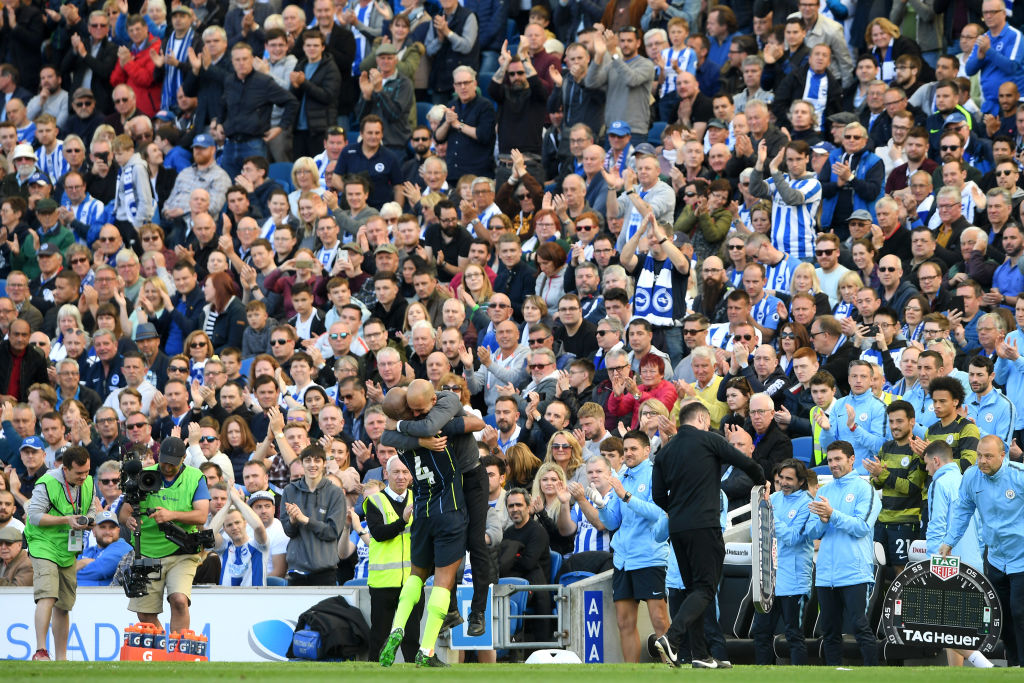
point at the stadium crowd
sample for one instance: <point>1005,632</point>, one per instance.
<point>242,224</point>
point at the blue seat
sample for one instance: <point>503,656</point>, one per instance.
<point>803,449</point>
<point>512,35</point>
<point>517,601</point>
<point>421,112</point>
<point>353,136</point>
<point>276,581</point>
<point>281,171</point>
<point>654,134</point>
<point>356,582</point>
<point>569,578</point>
<point>556,565</point>
<point>823,469</point>
<point>244,366</point>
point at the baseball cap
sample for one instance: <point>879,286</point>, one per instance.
<point>823,148</point>
<point>39,179</point>
<point>955,117</point>
<point>9,534</point>
<point>48,249</point>
<point>860,215</point>
<point>46,205</point>
<point>23,150</point>
<point>385,249</point>
<point>718,123</point>
<point>387,49</point>
<point>172,451</point>
<point>164,115</point>
<point>353,247</point>
<point>619,128</point>
<point>106,517</point>
<point>203,140</point>
<point>181,9</point>
<point>145,331</point>
<point>82,94</point>
<point>644,148</point>
<point>262,495</point>
<point>32,442</point>
<point>843,117</point>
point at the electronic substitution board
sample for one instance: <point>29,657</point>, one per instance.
<point>942,602</point>
<point>763,551</point>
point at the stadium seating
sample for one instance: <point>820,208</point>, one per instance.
<point>421,112</point>
<point>356,582</point>
<point>556,566</point>
<point>517,601</point>
<point>803,449</point>
<point>569,578</point>
<point>654,134</point>
<point>281,171</point>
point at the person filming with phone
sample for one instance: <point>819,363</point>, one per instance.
<point>58,515</point>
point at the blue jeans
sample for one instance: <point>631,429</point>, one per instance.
<point>235,153</point>
<point>488,61</point>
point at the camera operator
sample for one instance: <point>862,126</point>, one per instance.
<point>183,500</point>
<point>57,516</point>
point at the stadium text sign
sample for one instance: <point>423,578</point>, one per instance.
<point>242,624</point>
<point>593,625</point>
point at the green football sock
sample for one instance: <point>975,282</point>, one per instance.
<point>407,599</point>
<point>437,609</point>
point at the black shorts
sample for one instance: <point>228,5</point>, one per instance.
<point>896,539</point>
<point>647,583</point>
<point>438,541</point>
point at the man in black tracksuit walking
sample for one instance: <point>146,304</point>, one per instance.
<point>685,483</point>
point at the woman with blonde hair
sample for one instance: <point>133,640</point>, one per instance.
<point>805,281</point>
<point>305,178</point>
<point>565,450</point>
<point>150,303</point>
<point>522,466</point>
<point>650,411</point>
<point>887,45</point>
<point>199,348</point>
<point>547,504</point>
<point>69,322</point>
<point>475,289</point>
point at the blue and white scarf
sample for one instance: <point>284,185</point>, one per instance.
<point>126,189</point>
<point>653,298</point>
<point>172,74</point>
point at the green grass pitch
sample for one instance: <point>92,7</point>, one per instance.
<point>501,673</point>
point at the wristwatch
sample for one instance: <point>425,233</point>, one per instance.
<point>625,498</point>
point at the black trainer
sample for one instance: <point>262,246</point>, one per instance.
<point>667,653</point>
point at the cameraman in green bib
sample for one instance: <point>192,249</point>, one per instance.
<point>61,501</point>
<point>183,499</point>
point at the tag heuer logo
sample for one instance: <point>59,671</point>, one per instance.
<point>945,567</point>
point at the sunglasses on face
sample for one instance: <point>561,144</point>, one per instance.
<point>197,345</point>
<point>560,447</point>
<point>733,247</point>
<point>744,337</point>
<point>787,335</point>
<point>207,439</point>
<point>824,252</point>
<point>137,425</point>
<point>537,366</point>
<point>450,387</point>
<point>109,482</point>
<point>339,335</point>
<point>949,148</point>
<point>176,368</point>
<point>886,269</point>
<point>279,342</point>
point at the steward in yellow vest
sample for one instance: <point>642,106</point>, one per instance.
<point>55,535</point>
<point>389,520</point>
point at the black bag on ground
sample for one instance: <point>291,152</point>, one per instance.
<point>344,633</point>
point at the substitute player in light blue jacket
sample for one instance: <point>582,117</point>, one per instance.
<point>994,487</point>
<point>943,494</point>
<point>988,407</point>
<point>859,417</point>
<point>1010,365</point>
<point>794,568</point>
<point>846,511</point>
<point>639,560</point>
